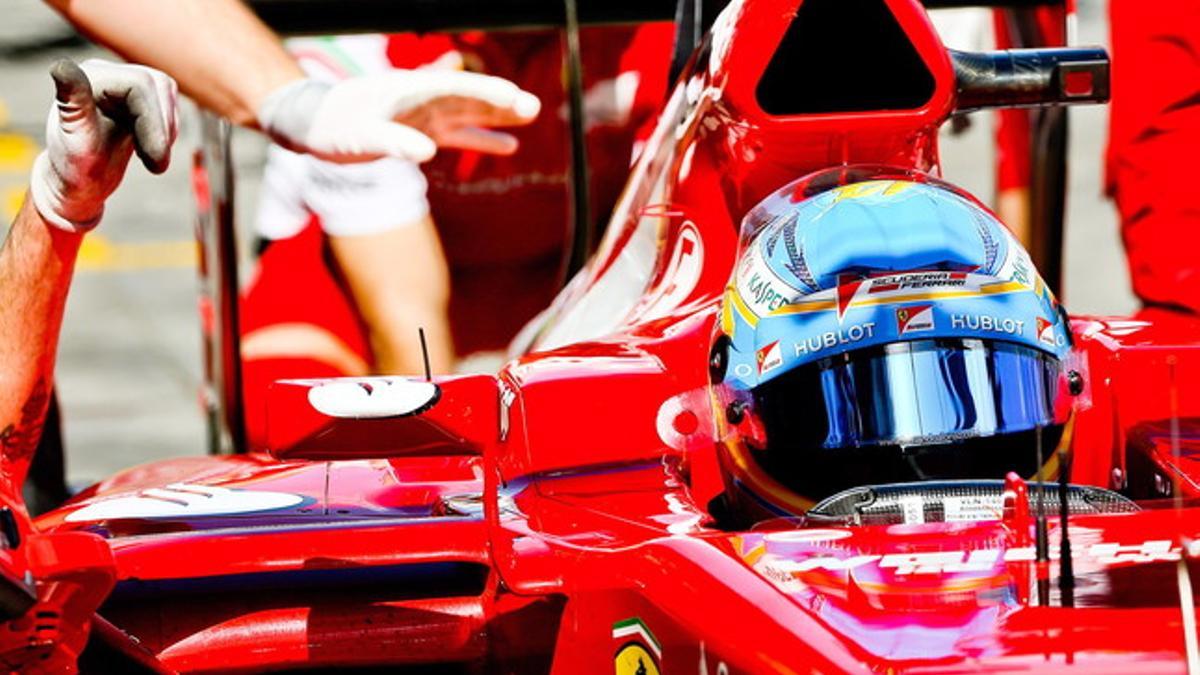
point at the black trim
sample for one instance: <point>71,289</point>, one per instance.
<point>410,581</point>
<point>318,17</point>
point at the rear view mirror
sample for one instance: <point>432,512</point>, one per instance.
<point>381,417</point>
<point>1030,77</point>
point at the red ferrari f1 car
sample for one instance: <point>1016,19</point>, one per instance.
<point>575,513</point>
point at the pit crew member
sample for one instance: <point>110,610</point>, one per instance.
<point>1154,131</point>
<point>499,220</point>
<point>103,114</point>
<point>229,62</point>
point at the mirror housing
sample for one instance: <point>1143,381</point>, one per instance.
<point>381,417</point>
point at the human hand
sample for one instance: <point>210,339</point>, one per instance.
<point>400,113</point>
<point>103,112</point>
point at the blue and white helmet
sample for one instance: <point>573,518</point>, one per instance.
<point>883,331</point>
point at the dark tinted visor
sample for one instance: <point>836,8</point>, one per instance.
<point>921,410</point>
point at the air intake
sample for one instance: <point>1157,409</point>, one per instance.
<point>844,56</point>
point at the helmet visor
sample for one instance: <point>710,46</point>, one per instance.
<point>920,410</point>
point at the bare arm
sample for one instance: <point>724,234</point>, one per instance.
<point>36,263</point>
<point>400,282</point>
<point>230,62</point>
<point>218,51</point>
<point>86,154</point>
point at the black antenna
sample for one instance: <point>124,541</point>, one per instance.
<point>425,354</point>
<point>1041,541</point>
<point>1066,566</point>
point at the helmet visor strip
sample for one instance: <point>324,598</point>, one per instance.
<point>936,391</point>
<point>918,410</point>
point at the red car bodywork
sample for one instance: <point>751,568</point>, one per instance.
<point>552,517</point>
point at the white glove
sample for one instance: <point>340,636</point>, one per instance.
<point>400,113</point>
<point>103,113</point>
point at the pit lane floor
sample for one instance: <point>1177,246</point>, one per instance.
<point>129,360</point>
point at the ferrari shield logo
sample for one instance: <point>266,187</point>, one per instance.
<point>635,659</point>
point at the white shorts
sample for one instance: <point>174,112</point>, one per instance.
<point>349,199</point>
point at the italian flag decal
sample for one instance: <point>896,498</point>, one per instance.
<point>634,628</point>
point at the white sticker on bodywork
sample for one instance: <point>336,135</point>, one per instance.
<point>180,500</point>
<point>971,509</point>
<point>914,510</point>
<point>372,397</point>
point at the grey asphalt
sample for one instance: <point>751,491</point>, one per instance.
<point>129,360</point>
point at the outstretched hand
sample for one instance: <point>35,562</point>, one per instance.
<point>103,112</point>
<point>400,113</point>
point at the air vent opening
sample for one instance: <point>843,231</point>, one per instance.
<point>842,56</point>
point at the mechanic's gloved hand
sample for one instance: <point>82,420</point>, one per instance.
<point>400,113</point>
<point>103,112</point>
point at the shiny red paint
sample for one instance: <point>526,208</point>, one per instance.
<point>570,494</point>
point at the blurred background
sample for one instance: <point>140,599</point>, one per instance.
<point>129,367</point>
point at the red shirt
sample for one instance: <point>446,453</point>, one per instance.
<point>1154,137</point>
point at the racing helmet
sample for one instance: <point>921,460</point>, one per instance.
<point>882,327</point>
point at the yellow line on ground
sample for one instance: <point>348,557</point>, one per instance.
<point>17,152</point>
<point>98,254</point>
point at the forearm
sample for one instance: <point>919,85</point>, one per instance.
<point>396,344</point>
<point>36,264</point>
<point>219,52</point>
<point>400,283</point>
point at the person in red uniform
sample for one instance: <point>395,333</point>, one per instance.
<point>325,296</point>
<point>1154,136</point>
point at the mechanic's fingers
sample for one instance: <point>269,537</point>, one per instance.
<point>143,96</point>
<point>503,95</point>
<point>168,92</point>
<point>397,140</point>
<point>72,94</point>
<point>415,89</point>
<point>153,109</point>
<point>483,140</point>
<point>462,111</point>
